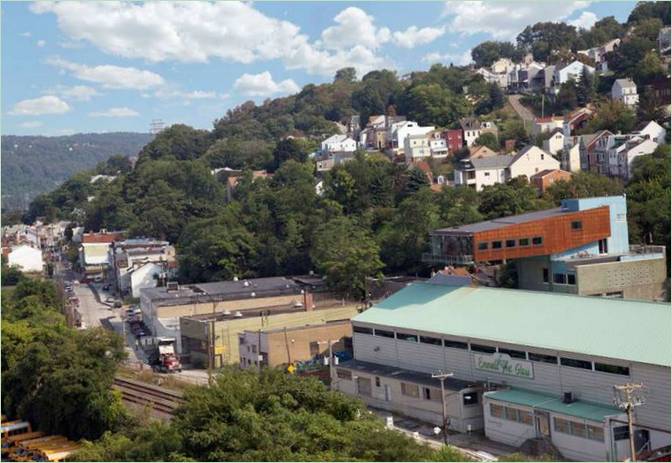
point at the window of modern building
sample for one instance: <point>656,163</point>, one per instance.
<point>482,246</point>
<point>511,414</point>
<point>430,340</point>
<point>407,337</point>
<point>377,381</point>
<point>614,369</point>
<point>364,386</point>
<point>518,354</point>
<point>621,433</point>
<point>410,390</point>
<point>482,348</point>
<point>496,411</point>
<point>537,241</point>
<point>496,245</point>
<point>595,433</point>
<point>571,279</point>
<point>543,358</point>
<point>602,246</point>
<point>524,242</point>
<point>470,398</point>
<point>577,429</point>
<point>361,330</point>
<point>455,344</point>
<point>561,425</point>
<point>560,278</point>
<point>577,225</point>
<point>525,417</point>
<point>384,333</point>
<point>576,363</point>
<point>545,274</point>
<point>343,374</point>
<point>510,243</point>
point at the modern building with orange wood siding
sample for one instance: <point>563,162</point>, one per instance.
<point>581,247</point>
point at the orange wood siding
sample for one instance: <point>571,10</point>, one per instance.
<point>556,232</point>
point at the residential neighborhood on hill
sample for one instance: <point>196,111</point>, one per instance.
<point>395,244</point>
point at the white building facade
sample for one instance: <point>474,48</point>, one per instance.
<point>26,258</point>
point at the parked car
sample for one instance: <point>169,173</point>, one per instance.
<point>106,288</point>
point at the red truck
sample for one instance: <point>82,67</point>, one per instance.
<point>163,358</point>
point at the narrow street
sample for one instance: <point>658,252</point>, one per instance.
<point>525,114</point>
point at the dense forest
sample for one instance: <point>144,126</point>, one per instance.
<point>372,216</point>
<point>34,164</point>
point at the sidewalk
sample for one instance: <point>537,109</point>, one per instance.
<point>475,444</point>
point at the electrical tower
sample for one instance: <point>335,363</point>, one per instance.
<point>156,126</point>
<point>628,396</point>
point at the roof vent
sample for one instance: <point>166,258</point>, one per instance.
<point>568,398</point>
<point>238,314</point>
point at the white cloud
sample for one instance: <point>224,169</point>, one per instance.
<point>31,124</point>
<point>262,84</point>
<point>412,37</point>
<point>25,34</point>
<point>505,20</point>
<point>458,60</point>
<point>41,43</point>
<point>354,27</point>
<point>78,92</point>
<point>111,76</point>
<point>231,31</point>
<point>585,21</point>
<point>115,112</point>
<point>168,93</point>
<point>48,104</point>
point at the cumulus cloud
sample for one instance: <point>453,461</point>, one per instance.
<point>110,76</point>
<point>231,31</point>
<point>25,34</point>
<point>354,27</point>
<point>115,112</point>
<point>41,43</point>
<point>48,104</point>
<point>30,124</point>
<point>172,93</point>
<point>585,21</point>
<point>77,92</point>
<point>262,84</point>
<point>504,20</point>
<point>412,37</point>
<point>457,59</point>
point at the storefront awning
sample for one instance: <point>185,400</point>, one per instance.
<point>551,403</point>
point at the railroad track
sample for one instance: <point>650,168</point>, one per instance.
<point>143,394</point>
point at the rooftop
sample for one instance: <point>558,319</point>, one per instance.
<point>625,83</point>
<point>579,408</point>
<point>491,162</point>
<point>504,221</point>
<point>222,290</point>
<point>612,328</point>
<point>107,237</point>
<point>452,384</point>
<point>304,327</point>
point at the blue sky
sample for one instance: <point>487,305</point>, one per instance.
<point>105,66</point>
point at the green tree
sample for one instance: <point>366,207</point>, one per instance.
<point>614,116</point>
<point>567,98</point>
<point>488,139</point>
<point>346,75</point>
<point>583,185</point>
<point>648,108</point>
<point>511,198</point>
<point>287,149</point>
<point>432,104</point>
<point>346,254</point>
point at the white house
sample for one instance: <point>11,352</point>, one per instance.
<point>547,124</point>
<point>654,131</point>
<point>139,262</point>
<point>438,147</point>
<point>531,160</point>
<point>621,157</point>
<point>339,142</point>
<point>572,71</point>
<point>625,91</point>
<point>400,130</point>
<point>26,258</point>
<point>416,147</point>
<point>472,128</point>
<point>555,142</point>
<point>477,173</point>
<point>598,54</point>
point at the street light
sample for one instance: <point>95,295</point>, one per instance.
<point>441,376</point>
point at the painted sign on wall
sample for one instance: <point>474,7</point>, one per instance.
<point>504,365</point>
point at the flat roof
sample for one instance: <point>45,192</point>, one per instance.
<point>452,384</point>
<point>222,290</point>
<point>614,328</point>
<point>504,221</point>
<point>308,326</point>
<point>579,408</point>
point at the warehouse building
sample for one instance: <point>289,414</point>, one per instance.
<point>538,365</point>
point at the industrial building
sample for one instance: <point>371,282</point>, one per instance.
<point>287,345</point>
<point>581,247</point>
<point>524,365</point>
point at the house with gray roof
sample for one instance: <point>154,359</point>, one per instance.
<point>478,173</point>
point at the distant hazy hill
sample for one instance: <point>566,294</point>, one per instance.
<point>34,164</point>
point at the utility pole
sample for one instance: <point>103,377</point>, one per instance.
<point>628,396</point>
<point>211,353</point>
<point>441,376</point>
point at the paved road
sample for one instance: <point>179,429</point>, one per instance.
<point>524,113</point>
<point>93,313</point>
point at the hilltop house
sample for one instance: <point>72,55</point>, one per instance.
<point>625,91</point>
<point>338,142</point>
<point>140,262</point>
<point>472,128</point>
<point>398,132</point>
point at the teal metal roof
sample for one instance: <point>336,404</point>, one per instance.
<point>579,409</point>
<point>619,329</point>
